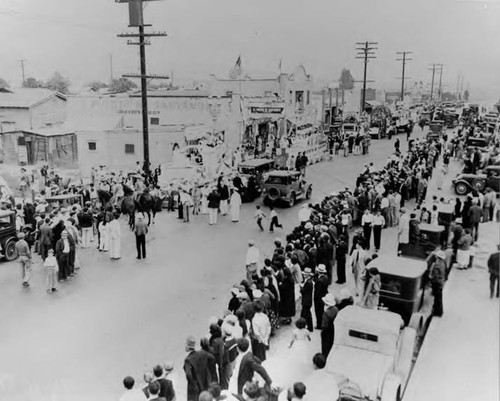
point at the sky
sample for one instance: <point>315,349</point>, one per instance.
<point>77,37</point>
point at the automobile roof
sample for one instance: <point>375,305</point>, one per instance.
<point>431,227</point>
<point>62,197</point>
<point>5,213</point>
<point>255,162</point>
<point>282,173</point>
<point>399,266</point>
<point>370,319</point>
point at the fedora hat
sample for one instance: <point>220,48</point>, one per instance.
<point>329,300</point>
<point>321,268</point>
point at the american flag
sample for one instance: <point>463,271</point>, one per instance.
<point>235,72</point>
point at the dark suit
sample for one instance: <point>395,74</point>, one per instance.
<point>46,237</point>
<point>249,365</point>
<point>307,302</point>
<point>320,290</point>
<point>167,391</point>
<point>328,330</point>
<point>197,374</point>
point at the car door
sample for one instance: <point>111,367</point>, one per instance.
<point>493,180</point>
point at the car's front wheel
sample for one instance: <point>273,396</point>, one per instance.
<point>292,200</point>
<point>10,250</point>
<point>478,185</point>
<point>461,189</point>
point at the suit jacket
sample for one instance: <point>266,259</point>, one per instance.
<point>166,389</point>
<point>197,374</point>
<point>141,228</point>
<point>307,293</point>
<point>249,365</point>
<point>46,235</point>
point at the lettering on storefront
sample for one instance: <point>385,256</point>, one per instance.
<point>266,110</point>
<point>151,112</point>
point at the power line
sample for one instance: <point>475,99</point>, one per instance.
<point>404,60</point>
<point>365,51</point>
<point>136,20</point>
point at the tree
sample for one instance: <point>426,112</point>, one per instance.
<point>466,95</point>
<point>96,85</point>
<point>32,83</point>
<point>121,85</point>
<point>58,83</point>
<point>3,83</point>
<point>346,80</point>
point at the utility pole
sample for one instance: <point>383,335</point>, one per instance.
<point>404,60</point>
<point>433,74</point>
<point>110,68</point>
<point>22,71</point>
<point>136,20</point>
<point>440,93</point>
<point>365,51</point>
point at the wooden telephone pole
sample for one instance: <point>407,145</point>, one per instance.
<point>365,52</point>
<point>136,20</point>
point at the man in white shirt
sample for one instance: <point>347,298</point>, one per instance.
<point>262,331</point>
<point>366,223</point>
<point>252,260</point>
<point>378,222</point>
<point>131,393</point>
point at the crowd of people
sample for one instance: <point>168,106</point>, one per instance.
<point>342,231</point>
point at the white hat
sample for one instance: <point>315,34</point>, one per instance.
<point>329,300</point>
<point>257,294</point>
<point>440,254</point>
<point>251,242</point>
<point>321,268</point>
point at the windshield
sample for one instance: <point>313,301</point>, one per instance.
<point>277,180</point>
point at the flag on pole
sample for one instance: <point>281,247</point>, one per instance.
<point>235,72</point>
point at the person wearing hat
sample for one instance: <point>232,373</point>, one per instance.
<point>403,229</point>
<point>327,326</point>
<point>306,291</point>
<point>196,369</point>
<point>213,199</point>
<point>167,391</point>
<point>372,289</point>
<point>252,260</point>
<point>140,230</point>
<point>63,249</point>
<point>438,277</point>
<point>24,253</point>
<point>321,284</point>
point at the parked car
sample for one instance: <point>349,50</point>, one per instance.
<point>489,177</point>
<point>372,354</point>
<point>253,174</point>
<point>8,235</point>
<point>404,289</point>
<point>285,186</point>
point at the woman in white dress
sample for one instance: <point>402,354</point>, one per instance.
<point>114,238</point>
<point>235,206</point>
<point>104,236</point>
<point>300,344</point>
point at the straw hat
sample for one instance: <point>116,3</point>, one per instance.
<point>329,300</point>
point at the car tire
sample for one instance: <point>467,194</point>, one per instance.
<point>478,185</point>
<point>292,200</point>
<point>461,188</point>
<point>10,249</point>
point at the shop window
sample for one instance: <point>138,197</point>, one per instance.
<point>299,100</point>
<point>92,145</point>
<point>155,120</point>
<point>129,149</point>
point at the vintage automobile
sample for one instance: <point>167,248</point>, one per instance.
<point>66,200</point>
<point>285,186</point>
<point>490,177</point>
<point>8,235</point>
<point>478,142</point>
<point>404,289</point>
<point>372,354</point>
<point>425,242</point>
<point>252,172</point>
<point>436,129</point>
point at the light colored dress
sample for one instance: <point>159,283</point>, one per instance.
<point>235,206</point>
<point>104,240</point>
<point>114,239</point>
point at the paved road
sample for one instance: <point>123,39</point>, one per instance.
<point>122,317</point>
